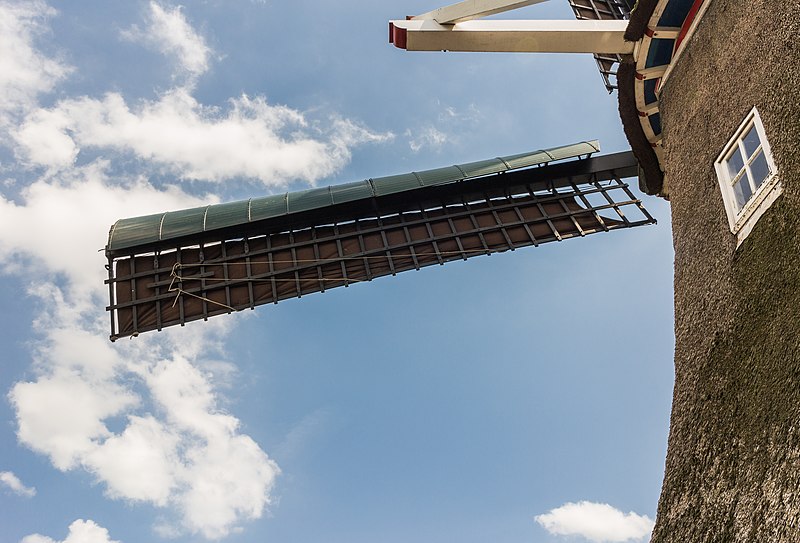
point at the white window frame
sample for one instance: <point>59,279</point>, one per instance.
<point>743,220</point>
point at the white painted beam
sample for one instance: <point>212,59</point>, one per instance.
<point>649,109</point>
<point>473,9</point>
<point>512,36</point>
<point>664,32</point>
<point>653,72</point>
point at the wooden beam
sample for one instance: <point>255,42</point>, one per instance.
<point>651,73</point>
<point>663,32</point>
<point>512,36</point>
<point>473,9</point>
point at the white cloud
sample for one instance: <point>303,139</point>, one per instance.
<point>227,475</point>
<point>80,531</point>
<point>24,71</point>
<point>450,123</point>
<point>597,522</point>
<point>427,137</point>
<point>188,399</point>
<point>177,449</point>
<point>145,418</point>
<point>139,464</point>
<point>250,139</point>
<point>169,32</point>
<point>231,479</point>
<point>62,415</point>
<point>44,139</point>
<point>174,448</point>
<point>10,480</point>
<point>173,133</point>
<point>172,428</point>
<point>58,220</point>
<point>449,114</point>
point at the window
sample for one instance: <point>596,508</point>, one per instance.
<point>747,176</point>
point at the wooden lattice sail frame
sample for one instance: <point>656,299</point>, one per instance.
<point>176,267</point>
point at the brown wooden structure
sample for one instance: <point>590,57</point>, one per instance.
<point>163,271</point>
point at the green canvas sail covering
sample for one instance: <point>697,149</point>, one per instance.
<point>137,231</point>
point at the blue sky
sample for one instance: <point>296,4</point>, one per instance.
<point>520,397</point>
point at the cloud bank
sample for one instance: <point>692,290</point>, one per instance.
<point>80,531</point>
<point>249,139</point>
<point>144,418</point>
<point>596,522</point>
<point>173,133</point>
<point>173,429</point>
<point>25,72</point>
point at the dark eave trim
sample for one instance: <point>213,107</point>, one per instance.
<point>652,180</point>
<point>640,17</point>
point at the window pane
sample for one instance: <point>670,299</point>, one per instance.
<point>742,191</point>
<point>759,169</point>
<point>735,163</point>
<point>751,141</point>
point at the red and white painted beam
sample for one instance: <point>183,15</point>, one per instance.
<point>511,36</point>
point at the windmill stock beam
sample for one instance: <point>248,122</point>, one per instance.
<point>512,36</point>
<point>473,9</point>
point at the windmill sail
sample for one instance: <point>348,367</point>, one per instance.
<point>176,267</point>
<point>601,10</point>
